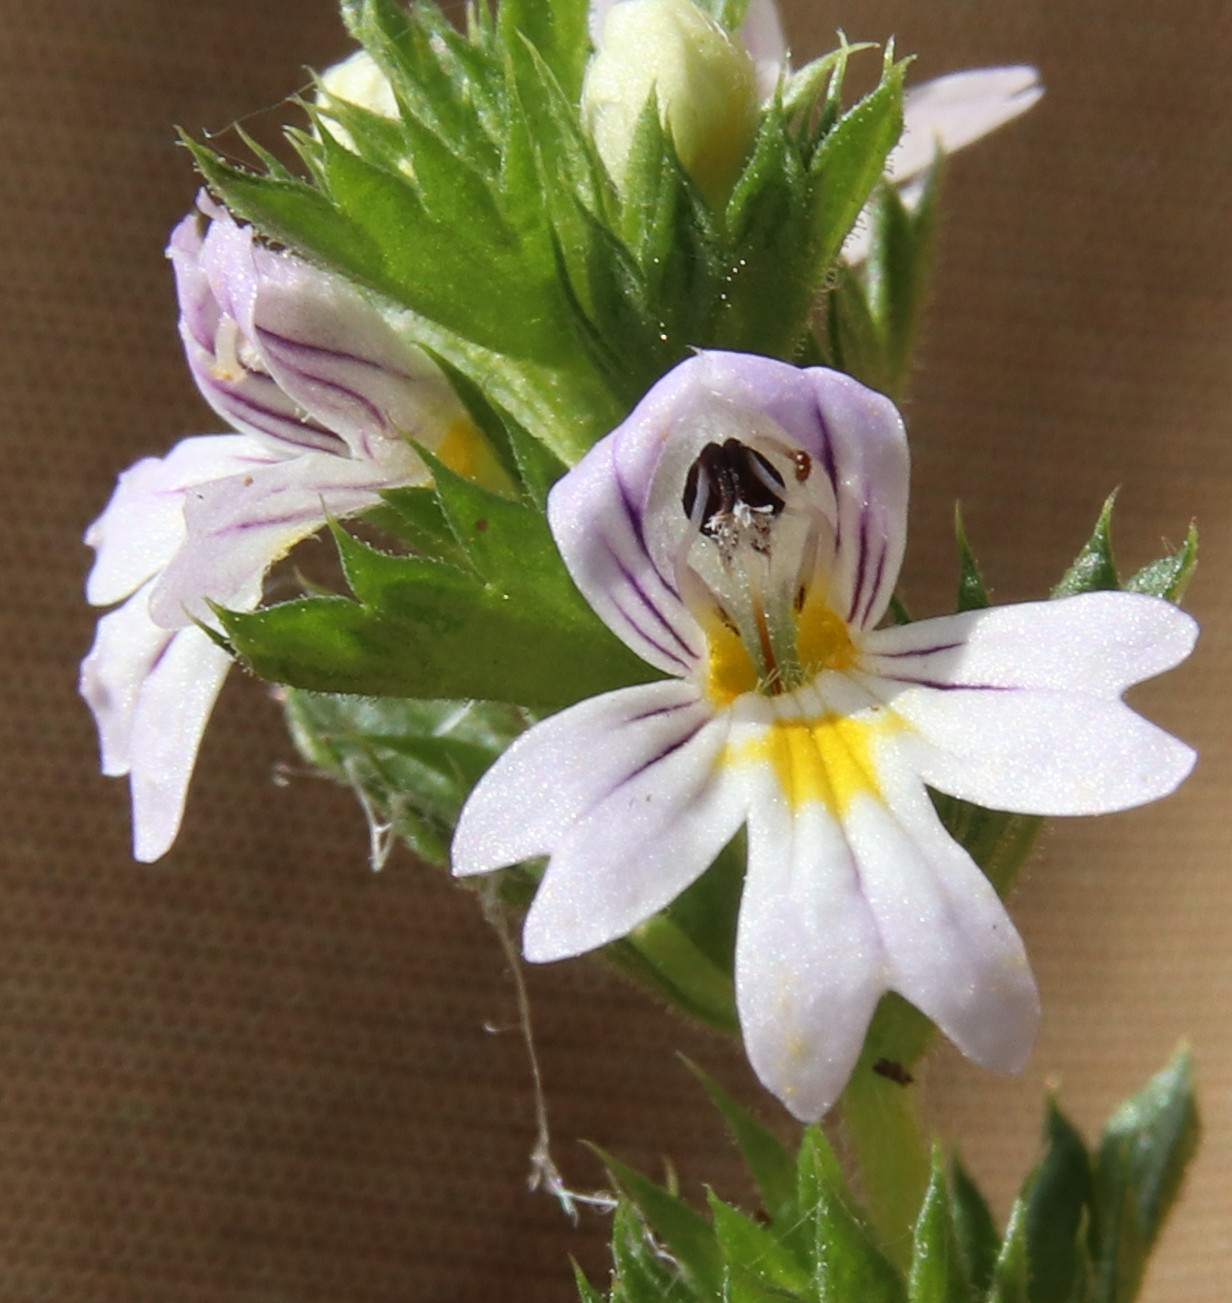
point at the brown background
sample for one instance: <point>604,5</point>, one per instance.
<point>256,1072</point>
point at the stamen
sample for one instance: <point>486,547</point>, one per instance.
<point>756,575</point>
<point>741,488</point>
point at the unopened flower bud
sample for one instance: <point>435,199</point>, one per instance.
<point>358,80</point>
<point>704,81</point>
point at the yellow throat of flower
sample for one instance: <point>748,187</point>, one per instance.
<point>823,642</point>
<point>467,453</point>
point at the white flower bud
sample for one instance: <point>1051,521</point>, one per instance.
<point>705,83</point>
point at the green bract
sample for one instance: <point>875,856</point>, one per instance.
<point>1078,1232</point>
<point>484,218</point>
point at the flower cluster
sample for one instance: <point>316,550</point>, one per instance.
<point>741,530</point>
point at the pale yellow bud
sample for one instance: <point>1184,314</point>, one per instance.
<point>704,81</point>
<point>358,80</point>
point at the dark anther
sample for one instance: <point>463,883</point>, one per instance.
<point>894,1071</point>
<point>735,476</point>
<point>803,463</point>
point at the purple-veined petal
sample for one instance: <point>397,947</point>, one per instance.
<point>635,851</point>
<point>624,792</point>
<point>810,965</point>
<point>215,278</point>
<point>950,946</point>
<point>599,518</point>
<point>143,524</point>
<point>618,517</point>
<point>239,526</point>
<point>295,355</point>
<point>151,691</point>
<point>332,352</point>
<point>1018,707</point>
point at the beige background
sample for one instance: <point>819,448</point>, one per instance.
<point>256,1072</point>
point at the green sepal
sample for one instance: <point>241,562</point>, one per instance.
<point>793,207</point>
<point>1011,1273</point>
<point>586,1291</point>
<point>664,957</point>
<point>972,594</point>
<point>974,1227</point>
<point>689,1236</point>
<point>850,160</point>
<point>873,311</point>
<point>640,1274</point>
<point>1143,1153</point>
<point>1169,576</point>
<point>558,29</point>
<point>897,273</point>
<point>730,13</point>
<point>1059,1200</point>
<point>938,1270</point>
<point>1094,569</point>
<point>448,81</point>
<point>769,1163</point>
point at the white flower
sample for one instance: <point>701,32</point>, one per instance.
<point>742,531</point>
<point>325,396</point>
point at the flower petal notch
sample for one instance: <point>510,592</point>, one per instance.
<point>325,397</point>
<point>742,531</point>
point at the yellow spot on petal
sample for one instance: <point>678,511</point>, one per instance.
<point>829,760</point>
<point>731,672</point>
<point>822,639</point>
<point>466,452</point>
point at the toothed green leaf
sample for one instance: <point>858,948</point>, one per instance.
<point>689,1236</point>
<point>938,1270</point>
<point>1143,1154</point>
<point>1094,569</point>
<point>1011,1274</point>
<point>422,628</point>
<point>764,1155</point>
<point>414,762</point>
<point>754,1256</point>
<point>1058,1213</point>
<point>972,595</point>
<point>974,1227</point>
<point>1169,576</point>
